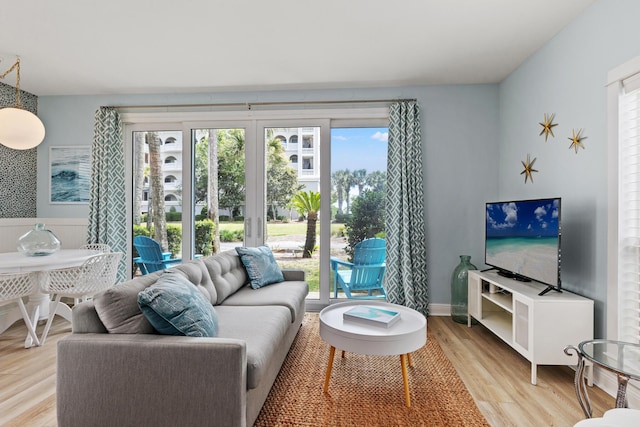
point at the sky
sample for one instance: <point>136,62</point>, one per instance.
<point>359,148</point>
<point>523,218</point>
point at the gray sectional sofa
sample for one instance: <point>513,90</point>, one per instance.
<point>114,370</point>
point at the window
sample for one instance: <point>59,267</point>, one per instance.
<point>624,228</point>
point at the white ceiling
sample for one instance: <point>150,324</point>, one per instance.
<point>70,47</point>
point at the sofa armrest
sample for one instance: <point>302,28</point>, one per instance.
<point>84,319</point>
<point>144,379</point>
<point>293,275</point>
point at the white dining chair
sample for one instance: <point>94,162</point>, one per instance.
<point>100,247</point>
<point>13,287</point>
<point>81,283</point>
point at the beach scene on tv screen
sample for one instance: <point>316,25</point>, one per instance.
<point>522,237</point>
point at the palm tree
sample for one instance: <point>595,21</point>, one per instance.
<point>338,178</point>
<point>377,180</point>
<point>343,180</point>
<point>308,204</point>
<point>212,188</point>
<point>359,179</point>
<point>157,190</point>
<point>138,147</point>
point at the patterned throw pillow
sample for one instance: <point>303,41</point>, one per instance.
<point>260,265</point>
<point>174,306</point>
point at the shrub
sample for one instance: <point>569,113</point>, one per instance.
<point>204,236</point>
<point>173,216</point>
<point>139,230</point>
<point>341,218</point>
<point>174,239</point>
<point>231,236</point>
<point>367,219</point>
<point>223,218</point>
<point>339,232</point>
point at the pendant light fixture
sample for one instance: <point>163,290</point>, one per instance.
<point>19,129</point>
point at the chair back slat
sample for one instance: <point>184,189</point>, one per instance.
<point>96,274</point>
<point>13,286</point>
<point>151,255</point>
<point>100,247</point>
<point>370,251</point>
<point>366,277</point>
<point>366,273</point>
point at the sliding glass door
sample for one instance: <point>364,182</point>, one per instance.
<point>293,197</point>
<point>310,188</point>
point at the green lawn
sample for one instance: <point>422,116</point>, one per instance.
<point>279,229</point>
<point>309,265</point>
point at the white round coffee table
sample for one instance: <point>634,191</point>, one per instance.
<point>408,334</point>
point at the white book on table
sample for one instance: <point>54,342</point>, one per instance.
<point>371,315</point>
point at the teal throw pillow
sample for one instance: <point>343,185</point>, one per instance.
<point>260,265</point>
<point>174,306</point>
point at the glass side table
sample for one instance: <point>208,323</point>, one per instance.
<point>621,358</point>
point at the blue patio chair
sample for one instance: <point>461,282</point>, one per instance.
<point>364,275</point>
<point>151,256</point>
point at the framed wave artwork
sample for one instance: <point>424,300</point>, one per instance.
<point>69,174</point>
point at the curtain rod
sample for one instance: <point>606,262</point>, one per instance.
<point>257,104</point>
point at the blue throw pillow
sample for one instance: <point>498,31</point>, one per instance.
<point>174,306</point>
<point>260,265</point>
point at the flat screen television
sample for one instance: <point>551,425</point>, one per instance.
<point>522,240</point>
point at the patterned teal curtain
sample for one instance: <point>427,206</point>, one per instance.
<point>107,201</point>
<point>406,274</point>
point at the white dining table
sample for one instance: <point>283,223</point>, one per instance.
<point>39,303</point>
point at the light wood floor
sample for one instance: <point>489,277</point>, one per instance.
<point>497,377</point>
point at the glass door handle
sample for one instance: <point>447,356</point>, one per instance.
<point>247,227</point>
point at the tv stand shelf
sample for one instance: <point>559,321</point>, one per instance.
<point>537,327</point>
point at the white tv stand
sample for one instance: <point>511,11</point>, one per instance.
<point>537,327</point>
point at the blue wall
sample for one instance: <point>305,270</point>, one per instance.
<point>460,131</point>
<point>568,77</point>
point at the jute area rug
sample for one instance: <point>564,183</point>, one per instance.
<point>365,390</point>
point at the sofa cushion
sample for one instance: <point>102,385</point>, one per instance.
<point>197,274</point>
<point>289,294</point>
<point>117,307</point>
<point>260,265</point>
<point>226,272</point>
<point>175,306</point>
<point>262,328</point>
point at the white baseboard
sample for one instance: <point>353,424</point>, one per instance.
<point>439,309</point>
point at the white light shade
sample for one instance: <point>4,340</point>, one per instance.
<point>20,129</point>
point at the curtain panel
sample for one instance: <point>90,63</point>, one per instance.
<point>406,275</point>
<point>107,201</point>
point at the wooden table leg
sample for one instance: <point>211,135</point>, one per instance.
<point>332,353</point>
<point>405,379</point>
<point>409,358</point>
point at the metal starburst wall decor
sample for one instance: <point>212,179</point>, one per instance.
<point>528,169</point>
<point>576,140</point>
<point>547,126</point>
